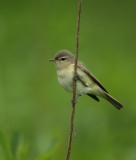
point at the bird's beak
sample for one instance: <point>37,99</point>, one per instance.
<point>52,60</point>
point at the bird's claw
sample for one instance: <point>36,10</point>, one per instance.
<point>73,102</point>
<point>75,78</point>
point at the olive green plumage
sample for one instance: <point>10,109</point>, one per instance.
<point>87,84</point>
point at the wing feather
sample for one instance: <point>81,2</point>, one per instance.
<point>90,75</point>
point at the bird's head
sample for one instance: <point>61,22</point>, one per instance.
<point>63,59</point>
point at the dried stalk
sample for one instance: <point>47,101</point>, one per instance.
<point>74,82</point>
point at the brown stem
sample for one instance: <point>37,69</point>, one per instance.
<point>74,82</point>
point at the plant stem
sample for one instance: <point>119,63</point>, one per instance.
<point>74,83</point>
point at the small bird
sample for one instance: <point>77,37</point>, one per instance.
<point>87,84</point>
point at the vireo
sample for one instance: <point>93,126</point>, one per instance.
<point>87,84</point>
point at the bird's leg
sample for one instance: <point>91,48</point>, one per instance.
<point>75,78</point>
<point>74,102</point>
<point>78,96</point>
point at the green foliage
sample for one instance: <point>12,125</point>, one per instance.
<point>35,110</point>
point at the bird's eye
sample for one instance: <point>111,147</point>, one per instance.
<point>62,59</point>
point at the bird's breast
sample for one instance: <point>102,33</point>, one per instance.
<point>65,77</point>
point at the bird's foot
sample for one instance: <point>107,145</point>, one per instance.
<point>73,102</point>
<point>75,78</point>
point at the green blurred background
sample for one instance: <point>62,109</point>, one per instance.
<point>35,110</point>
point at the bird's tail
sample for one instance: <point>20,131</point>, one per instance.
<point>113,101</point>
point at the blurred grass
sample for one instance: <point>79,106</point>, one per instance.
<point>35,110</point>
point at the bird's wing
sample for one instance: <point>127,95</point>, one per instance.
<point>82,68</point>
<point>85,80</point>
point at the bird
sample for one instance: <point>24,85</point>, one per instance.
<point>86,83</point>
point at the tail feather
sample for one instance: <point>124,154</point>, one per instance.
<point>113,101</point>
<point>94,97</point>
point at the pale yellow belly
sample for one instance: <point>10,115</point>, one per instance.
<point>66,81</point>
